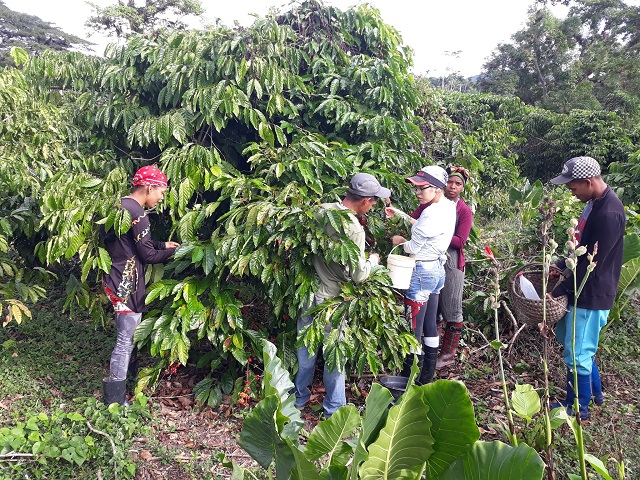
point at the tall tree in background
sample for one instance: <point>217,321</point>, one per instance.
<point>589,60</point>
<point>32,34</point>
<point>129,17</point>
<point>535,63</point>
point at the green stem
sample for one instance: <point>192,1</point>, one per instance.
<point>512,429</point>
<point>546,262</point>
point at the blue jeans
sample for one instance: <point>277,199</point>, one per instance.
<point>588,326</point>
<point>334,381</point>
<point>427,278</point>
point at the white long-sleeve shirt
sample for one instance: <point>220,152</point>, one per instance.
<point>432,233</point>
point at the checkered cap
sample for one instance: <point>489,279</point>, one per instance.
<point>576,168</point>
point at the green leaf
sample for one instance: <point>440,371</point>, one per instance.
<point>405,443</point>
<point>375,416</point>
<point>260,437</point>
<point>104,260</point>
<point>631,248</point>
<point>326,438</point>
<point>497,461</point>
<point>453,423</point>
<point>598,466</point>
<point>91,182</point>
<point>525,401</point>
<point>265,132</point>
<point>303,469</point>
<point>19,56</point>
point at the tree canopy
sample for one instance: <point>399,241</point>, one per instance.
<point>588,60</point>
<point>126,18</point>
<point>32,34</point>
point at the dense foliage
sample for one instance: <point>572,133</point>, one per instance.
<point>254,128</point>
<point>257,127</point>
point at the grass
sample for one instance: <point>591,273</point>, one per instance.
<point>46,362</point>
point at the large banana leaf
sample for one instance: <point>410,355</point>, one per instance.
<point>277,381</point>
<point>631,247</point>
<point>326,438</point>
<point>374,418</point>
<point>453,423</point>
<point>260,438</point>
<point>303,469</point>
<point>273,420</point>
<point>497,461</point>
<point>405,442</point>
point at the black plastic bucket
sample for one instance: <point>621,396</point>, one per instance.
<point>395,384</point>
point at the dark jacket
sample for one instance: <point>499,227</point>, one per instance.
<point>606,226</point>
<point>129,254</point>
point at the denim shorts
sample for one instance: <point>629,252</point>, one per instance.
<point>427,278</point>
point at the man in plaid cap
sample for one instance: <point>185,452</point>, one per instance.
<point>600,229</point>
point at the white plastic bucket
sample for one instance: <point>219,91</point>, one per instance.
<point>400,270</point>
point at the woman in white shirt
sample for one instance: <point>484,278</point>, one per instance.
<point>430,238</point>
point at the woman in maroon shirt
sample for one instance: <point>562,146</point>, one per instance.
<point>450,304</point>
<point>124,285</point>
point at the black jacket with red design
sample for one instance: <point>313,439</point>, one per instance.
<point>129,253</point>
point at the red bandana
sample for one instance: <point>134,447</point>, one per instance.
<point>149,176</point>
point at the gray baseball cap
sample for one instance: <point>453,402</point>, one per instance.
<point>366,185</point>
<point>577,168</point>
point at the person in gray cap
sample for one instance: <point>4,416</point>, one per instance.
<point>431,235</point>
<point>600,229</point>
<point>363,193</point>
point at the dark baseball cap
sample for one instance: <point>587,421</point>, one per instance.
<point>577,168</point>
<point>366,185</point>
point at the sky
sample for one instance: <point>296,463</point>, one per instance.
<point>434,29</point>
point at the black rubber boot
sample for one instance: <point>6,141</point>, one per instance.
<point>132,372</point>
<point>429,364</point>
<point>114,392</point>
<point>408,363</point>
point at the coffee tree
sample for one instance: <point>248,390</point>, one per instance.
<point>255,127</point>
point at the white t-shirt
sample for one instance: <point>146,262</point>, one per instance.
<point>432,233</point>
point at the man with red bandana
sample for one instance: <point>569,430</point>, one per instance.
<point>124,285</point>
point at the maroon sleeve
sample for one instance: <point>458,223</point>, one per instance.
<point>463,226</point>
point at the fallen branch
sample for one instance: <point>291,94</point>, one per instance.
<point>513,339</point>
<point>175,396</point>
<point>113,447</point>
<point>510,315</point>
<point>14,456</point>
<point>487,342</point>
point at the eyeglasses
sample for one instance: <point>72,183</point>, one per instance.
<point>421,189</point>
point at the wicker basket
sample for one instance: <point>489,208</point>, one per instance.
<point>530,311</point>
